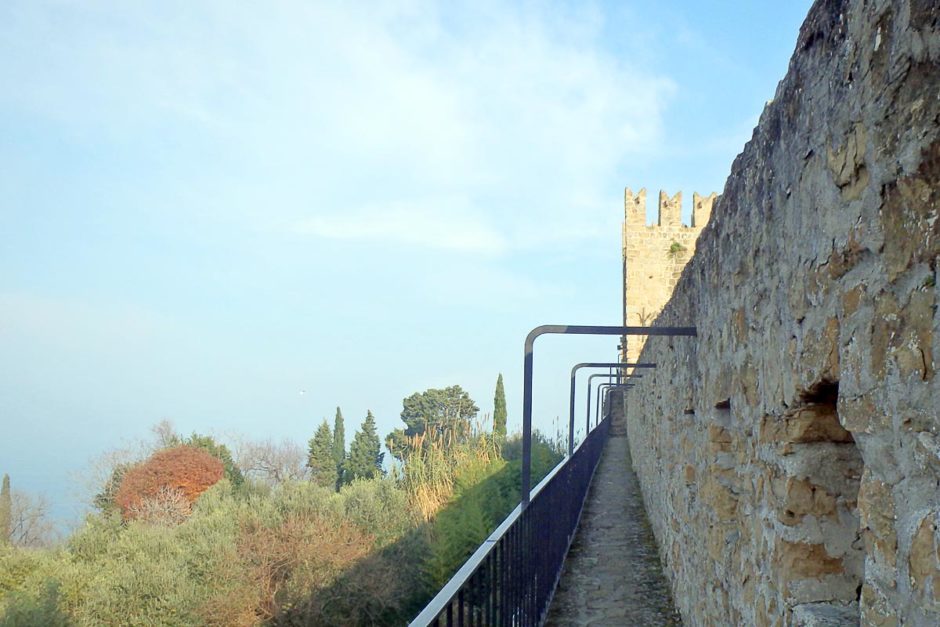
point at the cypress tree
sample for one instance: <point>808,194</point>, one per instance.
<point>6,511</point>
<point>339,445</point>
<point>499,409</point>
<point>320,456</point>
<point>365,456</point>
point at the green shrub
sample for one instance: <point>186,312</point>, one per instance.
<point>17,565</point>
<point>379,507</point>
<point>42,610</point>
<point>292,554</point>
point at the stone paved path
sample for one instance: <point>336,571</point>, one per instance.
<point>612,575</point>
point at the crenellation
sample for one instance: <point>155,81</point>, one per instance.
<point>634,207</point>
<point>702,208</point>
<point>670,209</point>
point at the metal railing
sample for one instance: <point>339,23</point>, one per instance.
<point>529,367</point>
<point>618,366</point>
<point>590,389</point>
<point>511,577</point>
<point>603,393</point>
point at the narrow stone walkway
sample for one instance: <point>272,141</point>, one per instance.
<point>613,575</point>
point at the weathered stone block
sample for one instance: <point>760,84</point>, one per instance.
<point>877,515</point>
<point>814,423</point>
<point>924,560</point>
<point>802,498</point>
<point>797,560</point>
<point>825,615</point>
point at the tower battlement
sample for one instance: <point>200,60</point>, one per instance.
<point>669,210</point>
<point>655,254</point>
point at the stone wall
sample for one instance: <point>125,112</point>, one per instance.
<point>790,454</point>
<point>654,256</point>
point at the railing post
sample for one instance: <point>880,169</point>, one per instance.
<point>619,366</point>
<point>574,372</point>
<point>590,390</point>
<point>527,371</point>
<point>510,578</point>
<point>527,415</point>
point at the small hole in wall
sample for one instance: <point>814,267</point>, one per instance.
<point>725,404</point>
<point>689,412</point>
<point>824,392</point>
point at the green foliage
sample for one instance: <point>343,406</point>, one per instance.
<point>400,445</point>
<point>24,609</point>
<point>546,453</point>
<point>378,507</point>
<point>16,567</point>
<point>675,249</point>
<point>320,458</point>
<point>463,525</point>
<point>118,575</point>
<point>486,488</point>
<point>104,500</point>
<point>365,456</point>
<point>6,511</point>
<point>339,445</point>
<point>446,412</point>
<point>221,452</point>
<point>499,409</point>
<point>295,553</point>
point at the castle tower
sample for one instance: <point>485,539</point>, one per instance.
<point>654,256</point>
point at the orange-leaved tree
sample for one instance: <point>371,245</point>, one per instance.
<point>186,469</point>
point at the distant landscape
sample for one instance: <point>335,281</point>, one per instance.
<point>191,530</point>
<point>248,251</point>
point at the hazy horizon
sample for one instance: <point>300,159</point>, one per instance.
<point>210,208</point>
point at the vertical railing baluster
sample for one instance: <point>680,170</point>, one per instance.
<point>526,564</point>
<point>517,569</point>
<point>460,608</point>
<point>513,580</point>
<point>491,592</point>
<point>470,599</point>
<point>504,580</point>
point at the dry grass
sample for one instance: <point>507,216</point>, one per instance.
<point>430,473</point>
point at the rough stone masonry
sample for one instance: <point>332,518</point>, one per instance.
<point>790,455</point>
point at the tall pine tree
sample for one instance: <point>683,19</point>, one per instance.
<point>320,457</point>
<point>365,455</point>
<point>499,409</point>
<point>339,445</point>
<point>6,511</point>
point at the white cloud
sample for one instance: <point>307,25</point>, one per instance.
<point>435,225</point>
<point>519,108</point>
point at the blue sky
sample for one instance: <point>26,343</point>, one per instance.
<point>208,207</point>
